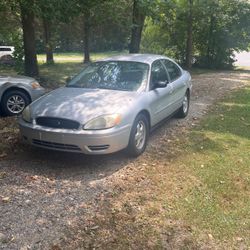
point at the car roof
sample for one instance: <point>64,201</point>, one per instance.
<point>9,47</point>
<point>143,58</point>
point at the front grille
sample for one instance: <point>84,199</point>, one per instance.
<point>53,122</point>
<point>99,147</point>
<point>56,145</point>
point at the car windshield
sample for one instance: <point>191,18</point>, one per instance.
<point>115,75</point>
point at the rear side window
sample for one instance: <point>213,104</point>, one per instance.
<point>173,70</point>
<point>5,49</point>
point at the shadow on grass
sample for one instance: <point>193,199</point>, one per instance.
<point>232,116</point>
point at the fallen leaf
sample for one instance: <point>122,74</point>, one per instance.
<point>239,239</point>
<point>210,236</point>
<point>5,199</point>
<point>94,228</point>
<point>34,177</point>
<point>2,174</point>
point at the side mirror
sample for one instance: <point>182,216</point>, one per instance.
<point>160,84</point>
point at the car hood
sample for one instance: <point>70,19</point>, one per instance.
<point>82,105</point>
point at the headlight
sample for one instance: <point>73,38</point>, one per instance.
<point>35,85</point>
<point>103,122</point>
<point>26,115</point>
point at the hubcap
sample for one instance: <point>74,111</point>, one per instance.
<point>140,135</point>
<point>15,104</point>
<point>185,104</point>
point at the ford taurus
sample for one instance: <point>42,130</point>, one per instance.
<point>110,105</point>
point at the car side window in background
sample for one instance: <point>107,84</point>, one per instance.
<point>5,49</point>
<point>158,73</point>
<point>173,70</point>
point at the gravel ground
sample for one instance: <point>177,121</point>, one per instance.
<point>43,193</point>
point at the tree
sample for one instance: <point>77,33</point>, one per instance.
<point>189,48</point>
<point>28,26</point>
<point>51,12</point>
<point>86,35</point>
<point>47,13</point>
<point>86,8</point>
<point>210,31</point>
<point>138,19</point>
<point>48,42</point>
<point>227,29</point>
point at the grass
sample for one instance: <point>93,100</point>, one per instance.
<point>77,57</point>
<point>220,162</point>
<point>198,197</point>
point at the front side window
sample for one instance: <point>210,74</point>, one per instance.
<point>173,70</point>
<point>115,75</point>
<point>158,73</point>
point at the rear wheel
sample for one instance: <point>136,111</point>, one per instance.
<point>14,102</point>
<point>183,111</point>
<point>138,136</point>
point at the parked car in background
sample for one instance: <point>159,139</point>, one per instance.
<point>6,55</point>
<point>17,92</point>
<point>6,50</point>
<point>111,105</point>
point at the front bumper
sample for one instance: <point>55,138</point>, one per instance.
<point>81,141</point>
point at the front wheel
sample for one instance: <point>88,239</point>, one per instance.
<point>138,136</point>
<point>14,102</point>
<point>183,111</point>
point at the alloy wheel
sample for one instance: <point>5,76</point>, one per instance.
<point>15,104</point>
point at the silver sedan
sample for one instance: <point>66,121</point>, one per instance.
<point>109,106</point>
<point>17,92</point>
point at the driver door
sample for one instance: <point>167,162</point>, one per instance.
<point>160,98</point>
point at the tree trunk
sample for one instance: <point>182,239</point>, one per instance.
<point>86,31</point>
<point>210,41</point>
<point>30,59</point>
<point>137,26</point>
<point>189,46</point>
<point>48,45</point>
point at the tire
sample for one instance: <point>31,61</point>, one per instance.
<point>14,102</point>
<point>137,146</point>
<point>183,110</point>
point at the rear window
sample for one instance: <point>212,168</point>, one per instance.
<point>5,49</point>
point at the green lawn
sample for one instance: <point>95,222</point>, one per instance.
<point>77,57</point>
<point>219,201</point>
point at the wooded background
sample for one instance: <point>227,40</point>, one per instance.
<point>204,33</point>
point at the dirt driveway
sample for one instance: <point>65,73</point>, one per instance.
<point>44,193</point>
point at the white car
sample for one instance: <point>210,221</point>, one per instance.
<point>6,50</point>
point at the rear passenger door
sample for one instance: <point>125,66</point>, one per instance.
<point>160,97</point>
<point>178,82</point>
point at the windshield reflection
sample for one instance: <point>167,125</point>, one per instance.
<point>115,75</point>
